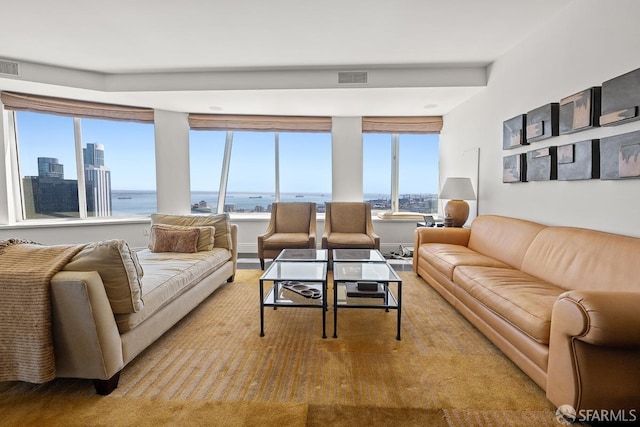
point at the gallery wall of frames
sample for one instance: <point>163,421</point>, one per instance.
<point>616,102</point>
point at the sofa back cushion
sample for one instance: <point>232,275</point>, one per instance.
<point>120,270</point>
<point>505,239</point>
<point>206,236</point>
<point>576,258</point>
<point>222,238</point>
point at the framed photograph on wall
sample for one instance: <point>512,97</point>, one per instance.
<point>621,99</point>
<point>542,123</point>
<point>513,132</point>
<point>580,111</point>
<point>514,168</point>
<point>620,156</point>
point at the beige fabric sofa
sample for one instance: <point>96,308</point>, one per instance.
<point>562,303</point>
<point>99,326</point>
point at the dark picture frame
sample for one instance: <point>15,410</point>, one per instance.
<point>579,160</point>
<point>620,156</point>
<point>543,122</point>
<point>514,168</point>
<point>542,164</point>
<point>621,99</point>
<point>513,132</point>
<point>580,111</point>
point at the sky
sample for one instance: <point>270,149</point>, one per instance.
<point>305,159</point>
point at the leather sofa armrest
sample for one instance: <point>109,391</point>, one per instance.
<point>451,235</point>
<point>594,350</point>
<point>602,318</point>
<point>86,339</point>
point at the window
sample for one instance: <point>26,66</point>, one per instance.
<point>305,167</point>
<point>47,163</point>
<point>264,159</point>
<point>251,186</point>
<point>206,155</point>
<point>411,161</point>
<point>117,166</point>
<point>376,170</point>
<point>418,174</point>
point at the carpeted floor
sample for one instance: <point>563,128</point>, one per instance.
<point>214,369</point>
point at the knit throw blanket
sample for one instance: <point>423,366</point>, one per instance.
<point>26,344</point>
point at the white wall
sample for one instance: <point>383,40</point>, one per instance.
<point>172,162</point>
<point>589,42</point>
<point>346,159</point>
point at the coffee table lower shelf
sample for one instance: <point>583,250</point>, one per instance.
<point>288,298</point>
<point>342,300</point>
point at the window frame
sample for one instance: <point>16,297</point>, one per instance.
<point>18,215</point>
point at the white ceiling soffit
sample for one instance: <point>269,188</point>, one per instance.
<point>159,51</point>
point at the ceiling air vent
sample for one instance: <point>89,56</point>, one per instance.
<point>352,77</point>
<point>9,68</point>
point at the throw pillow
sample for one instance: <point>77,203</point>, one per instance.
<point>221,223</point>
<point>206,238</point>
<point>173,240</point>
<point>120,270</point>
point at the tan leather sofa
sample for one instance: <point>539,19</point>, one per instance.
<point>562,303</point>
<point>94,337</point>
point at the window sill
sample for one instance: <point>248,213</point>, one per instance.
<point>38,223</point>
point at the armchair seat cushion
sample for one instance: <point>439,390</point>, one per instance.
<point>445,257</point>
<point>289,240</point>
<point>350,241</point>
<point>524,301</point>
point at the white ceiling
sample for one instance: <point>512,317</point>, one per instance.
<point>264,57</point>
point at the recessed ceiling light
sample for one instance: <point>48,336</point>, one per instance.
<point>215,108</point>
<point>430,106</point>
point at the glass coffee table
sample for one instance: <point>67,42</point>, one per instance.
<point>303,255</point>
<point>357,255</point>
<point>295,284</point>
<point>365,285</point>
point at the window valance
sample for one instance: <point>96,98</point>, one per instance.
<point>74,108</point>
<point>259,123</point>
<point>409,124</point>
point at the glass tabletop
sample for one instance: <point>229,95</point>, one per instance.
<point>352,271</point>
<point>303,255</point>
<point>303,271</point>
<point>361,255</point>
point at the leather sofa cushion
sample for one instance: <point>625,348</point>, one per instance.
<point>505,239</point>
<point>350,241</point>
<point>168,275</point>
<point>580,259</point>
<point>445,257</point>
<point>290,240</point>
<point>522,300</point>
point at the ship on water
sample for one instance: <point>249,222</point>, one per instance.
<point>201,207</point>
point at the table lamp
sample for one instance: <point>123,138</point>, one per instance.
<point>457,190</point>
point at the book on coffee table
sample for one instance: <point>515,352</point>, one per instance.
<point>365,291</point>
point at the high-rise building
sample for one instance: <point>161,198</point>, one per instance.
<point>49,194</point>
<point>49,167</point>
<point>97,179</point>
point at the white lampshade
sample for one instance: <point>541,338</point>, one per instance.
<point>457,189</point>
